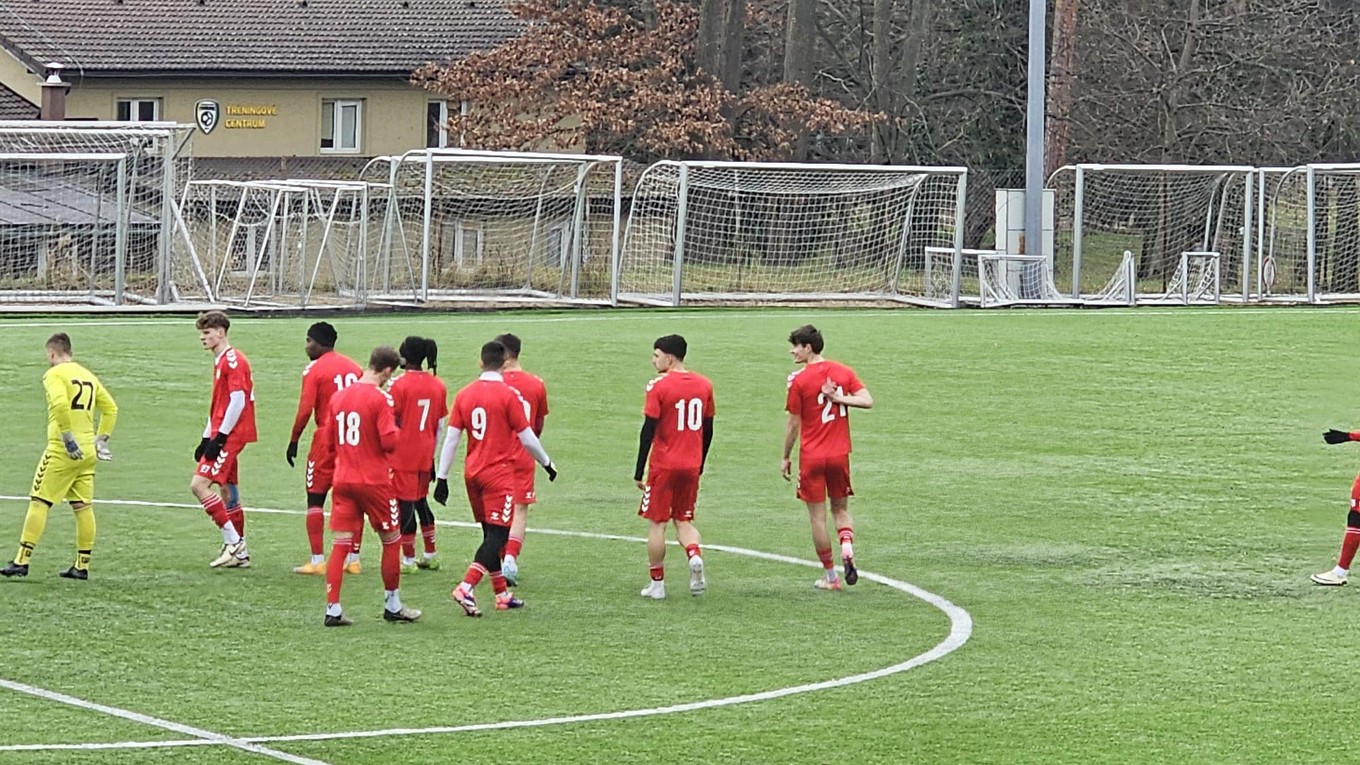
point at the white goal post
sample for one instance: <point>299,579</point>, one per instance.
<point>758,232</point>
<point>501,225</point>
<point>1154,213</point>
<point>87,210</point>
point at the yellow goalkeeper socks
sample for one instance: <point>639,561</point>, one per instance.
<point>34,523</point>
<point>84,535</point>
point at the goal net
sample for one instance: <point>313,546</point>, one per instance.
<point>286,243</point>
<point>1008,279</point>
<point>1154,212</point>
<point>475,225</point>
<point>1311,247</point>
<point>87,211</point>
<point>746,231</point>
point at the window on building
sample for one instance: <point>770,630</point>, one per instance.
<point>139,109</point>
<point>341,125</point>
<point>468,245</point>
<point>436,124</point>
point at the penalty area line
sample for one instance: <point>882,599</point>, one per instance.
<point>960,630</point>
<point>200,736</point>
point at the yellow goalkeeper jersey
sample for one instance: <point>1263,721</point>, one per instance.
<point>74,394</point>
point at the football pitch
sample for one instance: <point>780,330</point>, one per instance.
<point>1089,535</point>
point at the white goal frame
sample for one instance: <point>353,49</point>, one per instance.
<point>576,249</point>
<point>660,221</point>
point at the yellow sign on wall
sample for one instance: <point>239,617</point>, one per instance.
<point>249,116</point>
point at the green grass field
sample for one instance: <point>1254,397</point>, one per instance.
<point>1127,503</point>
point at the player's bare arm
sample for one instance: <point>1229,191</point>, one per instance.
<point>860,399</point>
<point>790,439</point>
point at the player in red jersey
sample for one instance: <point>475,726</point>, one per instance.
<point>421,402</point>
<point>328,373</point>
<point>677,429</point>
<point>361,427</point>
<point>1350,540</point>
<point>535,395</point>
<point>231,425</point>
<point>492,413</point>
<point>820,397</point>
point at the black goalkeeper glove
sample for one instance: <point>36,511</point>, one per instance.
<point>1335,436</point>
<point>202,447</point>
<point>551,471</point>
<point>291,454</point>
<point>441,490</point>
<point>213,448</point>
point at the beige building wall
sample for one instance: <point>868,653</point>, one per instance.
<point>268,118</point>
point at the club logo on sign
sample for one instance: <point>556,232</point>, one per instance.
<point>207,114</point>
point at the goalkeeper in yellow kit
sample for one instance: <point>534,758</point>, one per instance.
<point>66,469</point>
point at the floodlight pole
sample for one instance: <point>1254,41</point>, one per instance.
<point>1034,132</point>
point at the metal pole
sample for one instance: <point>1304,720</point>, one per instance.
<point>681,210</point>
<point>167,220</point>
<point>614,254</point>
<point>1312,233</point>
<point>1247,205</point>
<point>956,284</point>
<point>425,231</point>
<point>120,236</point>
<point>1078,209</point>
<point>1034,131</point>
<point>1260,235</point>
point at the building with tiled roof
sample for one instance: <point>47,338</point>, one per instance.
<point>260,78</point>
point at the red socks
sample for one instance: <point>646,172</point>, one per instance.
<point>427,533</point>
<point>1349,544</point>
<point>408,545</point>
<point>513,546</point>
<point>216,510</point>
<point>824,556</point>
<point>691,551</point>
<point>497,582</point>
<point>316,529</point>
<point>474,575</point>
<point>391,565</point>
<point>847,535</point>
<point>658,573</point>
<point>335,570</point>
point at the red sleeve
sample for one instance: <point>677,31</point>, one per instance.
<point>794,403</point>
<point>854,386</point>
<point>456,416</point>
<point>238,378</point>
<point>306,405</point>
<point>388,432</point>
<point>325,436</point>
<point>651,407</point>
<point>514,407</point>
<point>709,408</point>
<point>398,399</point>
<point>543,401</point>
<point>442,408</point>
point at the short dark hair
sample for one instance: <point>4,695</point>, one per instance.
<point>493,355</point>
<point>511,343</point>
<point>807,335</point>
<point>213,320</point>
<point>60,342</point>
<point>675,345</point>
<point>323,334</point>
<point>416,350</point>
<point>383,358</point>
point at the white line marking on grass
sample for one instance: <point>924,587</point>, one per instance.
<point>629,314</point>
<point>200,735</point>
<point>960,629</point>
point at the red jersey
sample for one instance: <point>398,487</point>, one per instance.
<point>321,379</point>
<point>535,395</point>
<point>231,373</point>
<point>421,401</point>
<point>680,402</point>
<point>362,429</point>
<point>491,413</point>
<point>825,429</point>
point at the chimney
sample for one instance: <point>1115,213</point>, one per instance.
<point>54,90</point>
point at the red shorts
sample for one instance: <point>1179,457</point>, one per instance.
<point>1355,494</point>
<point>223,470</point>
<point>492,495</point>
<point>320,468</point>
<point>411,485</point>
<point>352,502</point>
<point>524,478</point>
<point>670,495</point>
<point>819,478</point>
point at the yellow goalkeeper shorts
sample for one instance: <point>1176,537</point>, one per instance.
<point>61,478</point>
